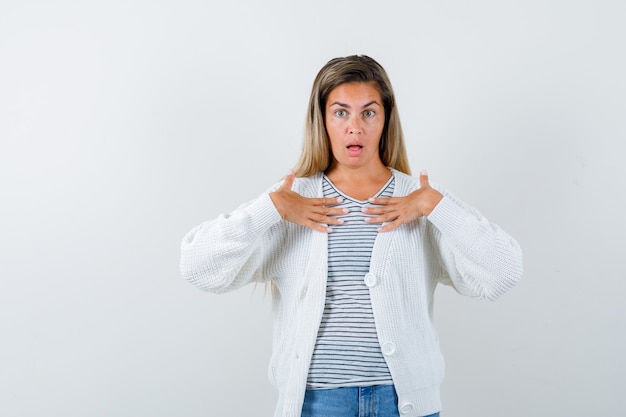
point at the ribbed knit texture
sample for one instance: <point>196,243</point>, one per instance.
<point>455,245</point>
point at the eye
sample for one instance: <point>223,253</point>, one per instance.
<point>369,113</point>
<point>340,113</point>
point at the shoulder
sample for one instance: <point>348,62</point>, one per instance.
<point>309,186</point>
<point>305,186</point>
<point>310,181</point>
<point>408,183</point>
<point>404,178</point>
<point>405,183</point>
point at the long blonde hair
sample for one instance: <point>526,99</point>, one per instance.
<point>316,154</point>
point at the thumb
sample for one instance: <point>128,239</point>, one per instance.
<point>288,181</point>
<point>424,179</point>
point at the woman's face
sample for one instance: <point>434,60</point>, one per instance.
<point>355,118</point>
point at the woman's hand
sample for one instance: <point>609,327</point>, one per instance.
<point>401,210</point>
<point>313,213</point>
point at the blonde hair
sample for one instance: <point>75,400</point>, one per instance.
<point>316,154</point>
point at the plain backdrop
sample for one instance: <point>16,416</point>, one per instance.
<point>125,123</point>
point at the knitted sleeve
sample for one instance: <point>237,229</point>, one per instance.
<point>478,258</point>
<point>233,250</point>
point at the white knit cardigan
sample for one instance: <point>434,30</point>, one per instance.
<point>454,245</point>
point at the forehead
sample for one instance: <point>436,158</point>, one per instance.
<point>355,92</point>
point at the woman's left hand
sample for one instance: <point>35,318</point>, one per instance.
<point>400,210</point>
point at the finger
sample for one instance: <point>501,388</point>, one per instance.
<point>334,211</point>
<point>318,227</point>
<point>288,183</point>
<point>382,218</point>
<point>382,201</point>
<point>424,179</point>
<point>374,220</point>
<point>325,219</point>
<point>388,227</point>
<point>320,202</point>
<point>332,220</point>
<point>324,206</point>
<point>376,210</point>
<point>326,201</point>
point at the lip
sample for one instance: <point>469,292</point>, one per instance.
<point>354,149</point>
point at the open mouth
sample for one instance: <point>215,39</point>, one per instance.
<point>354,150</point>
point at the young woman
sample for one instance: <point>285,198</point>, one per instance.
<point>353,247</point>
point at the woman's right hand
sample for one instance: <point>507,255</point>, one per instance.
<point>314,213</point>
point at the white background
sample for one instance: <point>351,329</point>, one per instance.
<point>125,123</point>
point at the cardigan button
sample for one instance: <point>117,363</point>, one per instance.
<point>388,348</point>
<point>406,408</point>
<point>370,279</point>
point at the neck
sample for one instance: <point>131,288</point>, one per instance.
<point>359,175</point>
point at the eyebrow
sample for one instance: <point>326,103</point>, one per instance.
<point>337,103</point>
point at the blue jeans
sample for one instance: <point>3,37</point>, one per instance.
<point>376,401</point>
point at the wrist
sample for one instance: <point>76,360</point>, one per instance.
<point>275,200</point>
<point>430,202</point>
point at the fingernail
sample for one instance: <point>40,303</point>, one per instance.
<point>346,211</point>
<point>371,199</point>
<point>424,172</point>
<point>340,199</point>
<point>364,210</point>
<point>340,221</point>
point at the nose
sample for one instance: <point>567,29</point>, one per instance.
<point>355,126</point>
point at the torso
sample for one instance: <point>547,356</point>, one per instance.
<point>347,352</point>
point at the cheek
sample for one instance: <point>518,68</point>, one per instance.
<point>375,128</point>
<point>381,125</point>
<point>333,130</point>
<point>334,142</point>
<point>333,123</point>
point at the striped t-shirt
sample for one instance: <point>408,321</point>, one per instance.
<point>347,352</point>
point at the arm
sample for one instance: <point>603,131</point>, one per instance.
<point>241,247</point>
<point>475,256</point>
<point>228,252</point>
<point>478,258</point>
